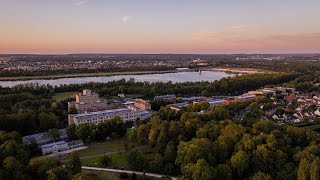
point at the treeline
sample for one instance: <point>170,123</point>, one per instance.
<point>225,86</point>
<point>18,73</point>
<point>288,65</point>
<point>209,146</point>
<point>28,113</point>
<point>306,83</point>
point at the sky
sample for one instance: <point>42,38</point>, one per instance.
<point>159,26</point>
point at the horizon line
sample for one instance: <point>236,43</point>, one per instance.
<point>318,53</point>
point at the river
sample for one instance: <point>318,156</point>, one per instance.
<point>174,77</point>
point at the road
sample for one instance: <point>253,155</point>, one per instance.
<point>125,171</point>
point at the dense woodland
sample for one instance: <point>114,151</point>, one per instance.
<point>212,146</point>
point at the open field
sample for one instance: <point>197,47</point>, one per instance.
<point>58,76</point>
<point>117,161</point>
<point>64,95</point>
<point>104,147</point>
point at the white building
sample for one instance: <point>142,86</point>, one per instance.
<point>88,101</point>
<point>60,146</point>
<point>101,116</point>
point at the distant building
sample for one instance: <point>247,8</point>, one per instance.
<point>102,116</point>
<point>286,90</point>
<point>43,138</point>
<point>213,103</point>
<point>145,115</point>
<point>178,106</point>
<point>191,99</point>
<point>60,146</point>
<point>166,98</point>
<point>142,105</point>
<point>88,101</point>
<point>182,69</point>
<point>121,95</point>
<point>245,97</point>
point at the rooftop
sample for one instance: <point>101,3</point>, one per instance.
<point>102,112</point>
<point>166,96</point>
<point>53,144</point>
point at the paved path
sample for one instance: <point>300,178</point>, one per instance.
<point>125,171</point>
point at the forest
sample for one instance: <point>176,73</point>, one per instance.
<point>212,146</point>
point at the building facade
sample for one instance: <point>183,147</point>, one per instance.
<point>142,105</point>
<point>44,137</point>
<point>60,146</point>
<point>102,116</point>
<point>88,101</point>
<point>166,98</point>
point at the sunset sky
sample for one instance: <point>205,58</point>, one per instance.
<point>159,26</point>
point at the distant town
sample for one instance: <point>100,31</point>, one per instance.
<point>113,62</point>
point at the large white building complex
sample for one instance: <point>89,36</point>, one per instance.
<point>88,101</point>
<point>101,116</point>
<point>93,110</point>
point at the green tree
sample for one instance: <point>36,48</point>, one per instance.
<point>201,170</point>
<point>74,163</point>
<point>157,163</point>
<point>105,160</point>
<point>48,121</point>
<point>143,133</point>
<point>12,167</point>
<point>54,133</point>
<point>303,171</point>
<point>205,93</point>
<point>85,132</point>
<point>315,169</point>
<point>132,135</point>
<point>58,173</point>
<point>192,151</point>
<point>261,176</point>
<point>73,110</point>
<point>170,153</point>
<point>71,131</point>
<point>240,161</point>
<point>136,160</point>
<point>39,166</point>
<point>223,170</point>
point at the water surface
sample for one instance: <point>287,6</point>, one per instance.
<point>174,77</point>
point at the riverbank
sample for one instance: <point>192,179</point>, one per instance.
<point>234,70</point>
<point>59,76</point>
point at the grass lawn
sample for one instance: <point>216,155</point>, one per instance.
<point>117,161</point>
<point>108,146</point>
<point>113,145</point>
<point>65,95</point>
<point>103,175</point>
<point>90,151</point>
<point>98,175</point>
